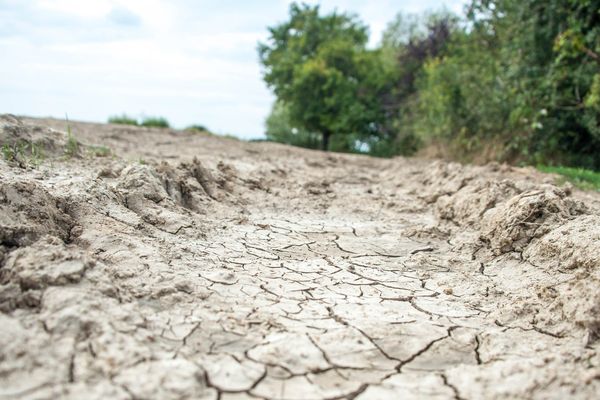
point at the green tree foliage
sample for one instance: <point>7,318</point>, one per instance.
<point>512,80</point>
<point>521,76</point>
<point>319,67</point>
<point>279,129</point>
<point>408,43</point>
<point>461,99</point>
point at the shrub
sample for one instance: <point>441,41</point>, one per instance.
<point>123,119</point>
<point>197,127</point>
<point>155,122</point>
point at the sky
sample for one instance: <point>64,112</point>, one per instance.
<point>190,61</point>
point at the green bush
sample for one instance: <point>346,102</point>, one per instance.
<point>197,127</point>
<point>123,119</point>
<point>514,80</point>
<point>155,122</point>
<point>521,79</point>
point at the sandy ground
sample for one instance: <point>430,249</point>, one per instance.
<point>186,266</point>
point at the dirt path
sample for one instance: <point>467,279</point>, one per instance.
<point>186,266</point>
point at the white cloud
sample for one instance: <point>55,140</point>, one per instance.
<point>192,61</point>
<point>82,9</point>
<point>123,16</point>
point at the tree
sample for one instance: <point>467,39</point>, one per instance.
<point>319,67</point>
<point>519,82</point>
<point>279,129</point>
<point>408,43</point>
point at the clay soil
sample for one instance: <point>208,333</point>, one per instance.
<point>140,263</point>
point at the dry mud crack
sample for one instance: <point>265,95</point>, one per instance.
<point>219,269</point>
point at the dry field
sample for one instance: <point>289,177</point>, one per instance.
<point>179,265</point>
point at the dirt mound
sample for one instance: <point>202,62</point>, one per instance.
<point>549,229</point>
<point>189,184</point>
<point>442,179</point>
<point>164,195</point>
<point>28,212</point>
<point>573,247</point>
<point>143,193</point>
<point>23,142</point>
<point>468,205</point>
<point>512,225</point>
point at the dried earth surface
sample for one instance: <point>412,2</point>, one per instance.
<point>140,263</point>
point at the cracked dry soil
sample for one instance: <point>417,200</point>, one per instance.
<point>220,269</point>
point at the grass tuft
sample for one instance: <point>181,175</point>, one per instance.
<point>37,155</point>
<point>72,146</point>
<point>24,153</point>
<point>8,152</point>
<point>99,151</point>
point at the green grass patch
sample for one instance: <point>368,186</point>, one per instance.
<point>99,151</point>
<point>9,152</point>
<point>23,152</point>
<point>123,119</point>
<point>155,122</point>
<point>582,178</point>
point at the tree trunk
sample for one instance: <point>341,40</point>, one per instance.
<point>326,136</point>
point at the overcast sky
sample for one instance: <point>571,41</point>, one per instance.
<point>191,61</point>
